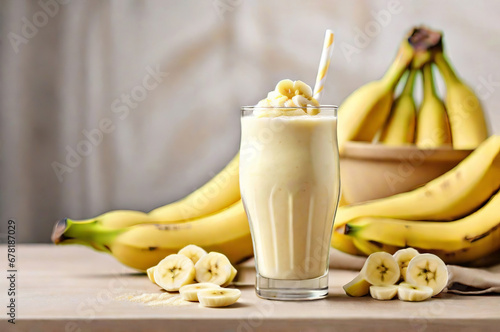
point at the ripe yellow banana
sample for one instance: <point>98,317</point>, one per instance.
<point>370,247</point>
<point>142,246</point>
<point>481,227</point>
<point>344,243</point>
<point>450,196</point>
<point>432,124</point>
<point>218,193</point>
<point>400,126</point>
<point>365,111</point>
<point>470,255</point>
<point>465,113</point>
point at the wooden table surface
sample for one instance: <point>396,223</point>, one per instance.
<point>72,288</point>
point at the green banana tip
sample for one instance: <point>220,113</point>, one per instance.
<point>58,231</point>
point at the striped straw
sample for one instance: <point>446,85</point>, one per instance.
<point>324,63</point>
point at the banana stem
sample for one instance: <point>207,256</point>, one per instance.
<point>429,89</point>
<point>445,68</point>
<point>89,233</point>
<point>399,66</point>
<point>410,83</point>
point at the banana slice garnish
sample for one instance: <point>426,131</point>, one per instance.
<point>190,292</point>
<point>215,268</point>
<point>380,269</point>
<point>403,257</point>
<point>427,270</point>
<point>384,292</point>
<point>289,94</point>
<point>285,88</point>
<point>193,252</point>
<point>413,293</point>
<point>222,297</point>
<point>173,272</point>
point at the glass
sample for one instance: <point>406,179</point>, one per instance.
<point>290,186</point>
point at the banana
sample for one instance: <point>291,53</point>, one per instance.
<point>369,247</point>
<point>428,270</point>
<point>465,113</point>
<point>302,89</point>
<point>384,292</point>
<point>190,292</point>
<point>482,226</point>
<point>365,111</point>
<point>412,293</point>
<point>286,88</point>
<point>357,286</point>
<point>380,269</point>
<point>400,126</point>
<point>222,297</point>
<point>143,246</point>
<point>432,124</point>
<point>220,192</point>
<point>296,95</point>
<point>454,194</point>
<point>173,272</point>
<point>403,257</point>
<point>214,268</point>
<point>344,243</point>
<point>151,274</point>
<point>193,252</point>
<point>480,249</point>
<point>231,277</point>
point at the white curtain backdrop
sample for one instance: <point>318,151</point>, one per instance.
<point>132,104</point>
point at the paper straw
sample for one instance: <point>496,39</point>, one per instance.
<point>324,63</point>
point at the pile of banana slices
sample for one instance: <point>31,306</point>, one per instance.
<point>420,276</point>
<point>213,271</point>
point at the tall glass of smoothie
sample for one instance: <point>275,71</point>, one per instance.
<point>289,180</point>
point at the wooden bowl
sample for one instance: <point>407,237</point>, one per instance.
<point>370,171</point>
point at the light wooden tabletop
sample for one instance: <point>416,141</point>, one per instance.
<point>72,288</point>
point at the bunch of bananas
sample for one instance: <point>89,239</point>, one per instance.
<point>454,216</point>
<point>457,211</point>
<point>419,218</point>
<point>373,114</point>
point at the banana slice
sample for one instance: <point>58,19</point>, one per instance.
<point>193,252</point>
<point>285,88</point>
<point>300,100</point>
<point>218,297</point>
<point>279,102</point>
<point>302,89</point>
<point>231,277</point>
<point>427,270</point>
<point>190,292</point>
<point>403,257</point>
<point>214,267</point>
<point>384,292</point>
<point>409,292</point>
<point>380,269</point>
<point>357,286</point>
<point>173,272</point>
<point>151,274</point>
<point>264,103</point>
<point>274,95</point>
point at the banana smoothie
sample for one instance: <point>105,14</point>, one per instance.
<point>289,180</point>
